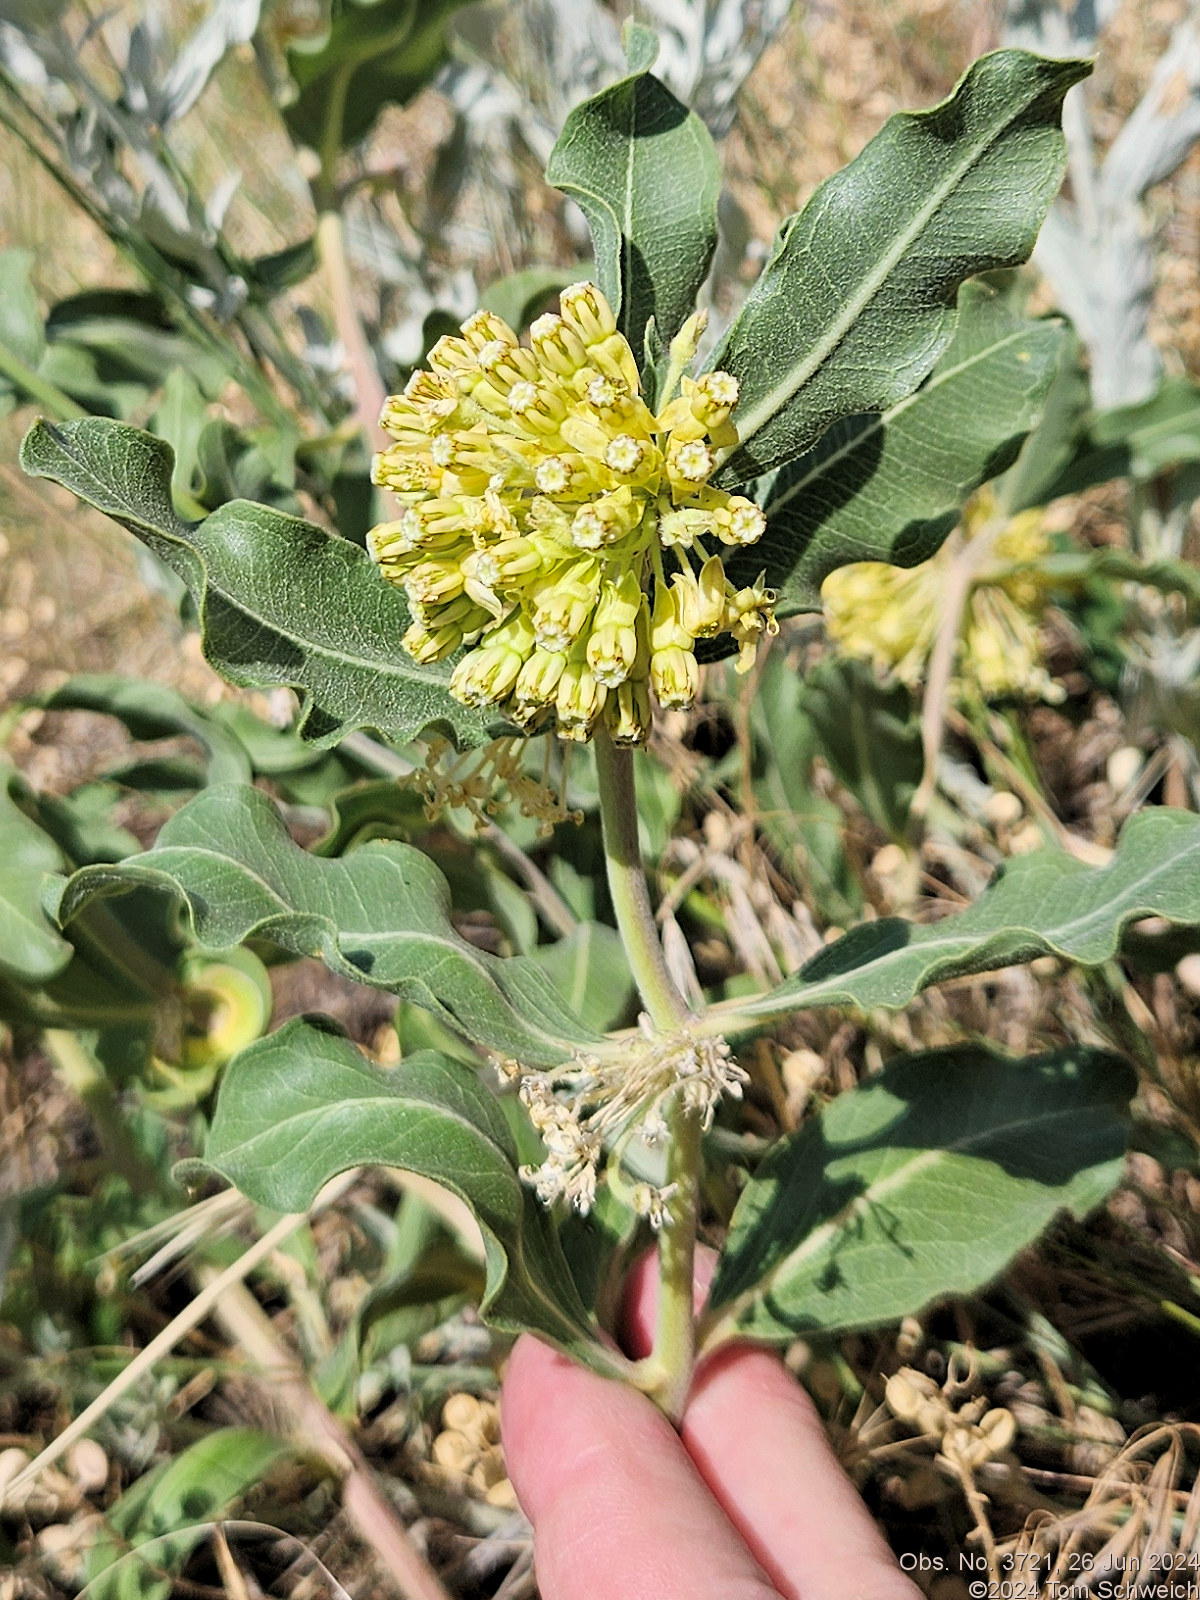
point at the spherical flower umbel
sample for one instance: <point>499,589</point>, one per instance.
<point>559,527</point>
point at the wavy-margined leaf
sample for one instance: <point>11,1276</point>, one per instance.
<point>1045,903</point>
<point>281,602</point>
<point>31,950</point>
<point>644,171</point>
<point>301,1106</point>
<point>856,302</point>
<point>877,1206</point>
<point>380,917</point>
<point>890,487</point>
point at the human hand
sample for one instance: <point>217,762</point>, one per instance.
<point>746,1502</point>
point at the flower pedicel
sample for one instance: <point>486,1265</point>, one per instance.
<point>541,494</point>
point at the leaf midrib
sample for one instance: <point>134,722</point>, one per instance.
<point>182,535</point>
<point>873,1193</point>
<point>761,413</point>
<point>626,239</point>
<point>455,946</point>
<point>1056,940</point>
<point>372,1102</point>
<point>385,667</point>
<point>885,419</point>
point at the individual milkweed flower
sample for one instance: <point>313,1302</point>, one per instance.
<point>559,530</point>
<point>890,615</point>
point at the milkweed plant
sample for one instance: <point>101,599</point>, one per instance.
<point>579,521</point>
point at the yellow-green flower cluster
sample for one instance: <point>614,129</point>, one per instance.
<point>890,616</point>
<point>544,501</point>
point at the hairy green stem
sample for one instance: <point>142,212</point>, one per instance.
<point>627,885</point>
<point>666,1373</point>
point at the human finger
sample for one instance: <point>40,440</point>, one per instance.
<point>619,1512</point>
<point>759,1444</point>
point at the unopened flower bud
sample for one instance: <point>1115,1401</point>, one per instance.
<point>687,341</point>
<point>558,346</point>
<point>675,675</point>
<point>426,646</point>
<point>537,681</point>
<point>431,582</point>
<point>587,313</point>
<point>484,328</point>
<point>452,356</point>
<point>627,712</point>
<point>486,676</point>
<point>564,604</point>
<point>578,700</point>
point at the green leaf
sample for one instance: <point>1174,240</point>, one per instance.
<point>111,348</point>
<point>30,948</point>
<point>379,917</point>
<point>803,825</point>
<point>281,602</point>
<point>180,418</point>
<point>641,45</point>
<point>301,1106</point>
<point>922,1182</point>
<point>1054,441</point>
<point>83,823</point>
<point>1138,441</point>
<point>1045,903</point>
<point>378,809</point>
<point>363,56</point>
<point>856,302</point>
<point>590,971</point>
<point>165,1515</point>
<point>890,487</point>
<point>283,269</point>
<point>644,171</point>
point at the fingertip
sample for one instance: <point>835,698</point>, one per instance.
<point>610,1491</point>
<point>530,1392</point>
<point>759,1443</point>
<point>746,1374</point>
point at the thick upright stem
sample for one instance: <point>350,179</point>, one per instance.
<point>627,885</point>
<point>666,1373</point>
